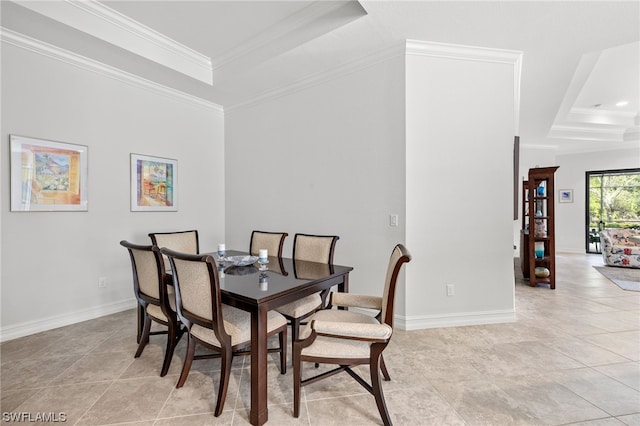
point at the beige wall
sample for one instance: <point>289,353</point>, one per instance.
<point>328,159</point>
<point>51,262</point>
<point>461,112</point>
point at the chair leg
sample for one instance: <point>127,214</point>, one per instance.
<point>282,338</point>
<point>295,329</point>
<point>140,314</point>
<point>188,359</point>
<point>144,338</point>
<point>225,373</point>
<point>171,345</point>
<point>383,368</point>
<point>376,385</point>
<point>297,381</point>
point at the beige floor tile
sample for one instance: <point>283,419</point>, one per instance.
<point>607,421</point>
<point>627,373</point>
<point>95,367</point>
<point>571,357</point>
<point>631,419</point>
<point>622,343</point>
<point>347,410</point>
<point>31,373</point>
<point>419,406</point>
<point>608,394</point>
<point>149,363</point>
<point>70,401</point>
<point>281,415</point>
<point>549,401</point>
<point>481,402</point>
<point>279,386</point>
<point>584,352</point>
<point>11,399</point>
<point>129,400</point>
<point>226,418</point>
<point>199,394</point>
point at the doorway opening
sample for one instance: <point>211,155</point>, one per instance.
<point>612,201</point>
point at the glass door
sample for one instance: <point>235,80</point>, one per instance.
<point>613,201</point>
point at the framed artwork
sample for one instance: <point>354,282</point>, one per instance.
<point>565,195</point>
<point>47,175</point>
<point>154,184</point>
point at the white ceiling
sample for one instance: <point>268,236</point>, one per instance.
<point>575,54</point>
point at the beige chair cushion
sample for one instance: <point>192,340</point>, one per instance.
<point>329,347</point>
<point>147,271</point>
<point>371,332</point>
<point>301,307</point>
<point>262,240</point>
<point>356,300</point>
<point>155,311</point>
<point>184,242</point>
<point>237,324</point>
<point>313,248</point>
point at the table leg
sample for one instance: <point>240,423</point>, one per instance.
<point>343,287</point>
<point>258,414</point>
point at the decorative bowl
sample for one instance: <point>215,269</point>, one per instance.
<point>241,260</point>
<point>240,270</point>
<point>541,272</point>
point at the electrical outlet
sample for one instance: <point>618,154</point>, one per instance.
<point>451,290</point>
<point>102,282</point>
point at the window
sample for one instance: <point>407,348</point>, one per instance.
<point>613,201</point>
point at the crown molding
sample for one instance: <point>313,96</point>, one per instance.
<point>54,52</point>
<point>285,28</point>
<point>457,51</point>
<point>98,20</point>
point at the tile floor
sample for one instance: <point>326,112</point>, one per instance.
<point>572,357</point>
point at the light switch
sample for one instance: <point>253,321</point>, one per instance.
<point>393,220</point>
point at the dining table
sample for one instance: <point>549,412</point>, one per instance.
<point>258,292</point>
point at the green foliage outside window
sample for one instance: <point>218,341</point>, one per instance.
<point>614,200</point>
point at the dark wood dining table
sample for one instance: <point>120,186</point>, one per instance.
<point>258,292</point>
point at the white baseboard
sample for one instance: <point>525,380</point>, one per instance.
<point>571,250</point>
<point>454,320</point>
<point>31,327</point>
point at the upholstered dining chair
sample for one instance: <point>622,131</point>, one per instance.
<point>155,298</point>
<point>180,241</point>
<point>311,248</point>
<point>349,338</point>
<point>212,324</point>
<point>272,241</point>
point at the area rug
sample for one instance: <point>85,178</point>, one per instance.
<point>625,278</point>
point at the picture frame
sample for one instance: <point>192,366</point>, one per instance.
<point>565,195</point>
<point>154,183</point>
<point>47,175</point>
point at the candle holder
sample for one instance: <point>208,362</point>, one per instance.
<point>263,281</point>
<point>221,253</point>
<point>263,259</point>
<point>263,264</point>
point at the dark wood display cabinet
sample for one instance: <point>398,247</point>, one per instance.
<point>537,236</point>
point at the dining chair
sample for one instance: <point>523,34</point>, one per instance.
<point>155,298</point>
<point>212,324</point>
<point>310,248</point>
<point>348,338</point>
<point>272,241</point>
<point>180,241</point>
